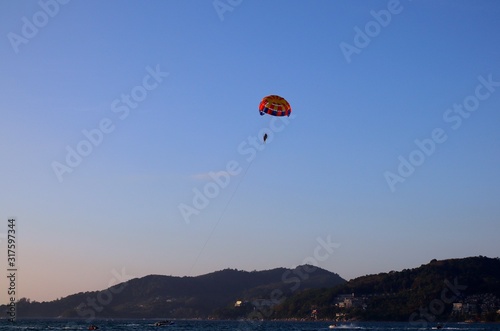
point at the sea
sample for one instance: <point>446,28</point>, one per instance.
<point>198,325</point>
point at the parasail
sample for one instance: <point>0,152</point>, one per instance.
<point>275,105</point>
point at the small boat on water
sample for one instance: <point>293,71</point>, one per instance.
<point>332,326</point>
<point>164,323</point>
<point>93,327</point>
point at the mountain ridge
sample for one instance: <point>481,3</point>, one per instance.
<point>179,297</point>
<point>458,289</point>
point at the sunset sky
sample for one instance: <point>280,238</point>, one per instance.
<point>131,142</point>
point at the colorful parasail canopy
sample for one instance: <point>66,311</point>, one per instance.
<point>275,105</point>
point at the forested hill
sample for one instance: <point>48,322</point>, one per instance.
<point>447,290</point>
<point>158,296</point>
<point>423,294</point>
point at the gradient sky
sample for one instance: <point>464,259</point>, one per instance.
<point>365,80</point>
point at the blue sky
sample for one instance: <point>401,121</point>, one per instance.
<point>169,91</point>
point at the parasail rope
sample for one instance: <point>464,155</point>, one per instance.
<point>221,215</point>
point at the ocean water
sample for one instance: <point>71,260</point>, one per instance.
<point>238,326</point>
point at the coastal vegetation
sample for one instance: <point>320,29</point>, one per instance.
<point>465,289</point>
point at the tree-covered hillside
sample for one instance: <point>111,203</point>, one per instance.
<point>455,289</point>
<point>180,297</point>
